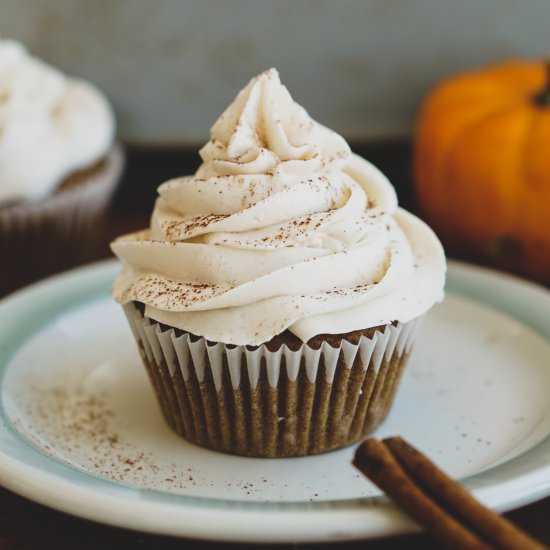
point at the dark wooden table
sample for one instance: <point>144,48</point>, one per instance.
<point>25,525</point>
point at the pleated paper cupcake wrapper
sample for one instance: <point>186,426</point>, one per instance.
<point>61,231</point>
<point>256,402</point>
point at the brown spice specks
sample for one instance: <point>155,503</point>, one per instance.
<point>161,292</point>
<point>83,431</point>
<point>185,229</point>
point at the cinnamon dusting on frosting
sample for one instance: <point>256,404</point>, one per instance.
<point>159,292</point>
<point>286,228</point>
<point>181,229</point>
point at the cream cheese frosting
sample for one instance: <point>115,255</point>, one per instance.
<point>50,125</point>
<point>282,227</point>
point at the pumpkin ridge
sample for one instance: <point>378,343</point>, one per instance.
<point>447,174</point>
<point>532,177</point>
<point>523,176</point>
<point>423,173</point>
<point>473,124</point>
<point>444,170</point>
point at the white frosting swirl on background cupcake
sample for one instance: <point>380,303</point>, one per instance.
<point>282,227</point>
<point>50,125</point>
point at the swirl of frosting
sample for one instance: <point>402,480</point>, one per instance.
<point>281,227</point>
<point>50,125</point>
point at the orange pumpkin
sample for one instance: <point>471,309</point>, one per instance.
<point>482,165</point>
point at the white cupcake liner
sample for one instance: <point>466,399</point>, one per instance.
<point>61,231</point>
<point>257,402</point>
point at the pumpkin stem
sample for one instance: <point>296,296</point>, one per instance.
<point>542,98</point>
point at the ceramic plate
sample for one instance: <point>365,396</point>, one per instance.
<point>80,430</point>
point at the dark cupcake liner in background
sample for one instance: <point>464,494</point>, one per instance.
<point>61,231</point>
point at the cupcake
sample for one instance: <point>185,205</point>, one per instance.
<point>58,167</point>
<point>276,296</point>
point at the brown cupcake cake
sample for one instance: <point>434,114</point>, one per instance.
<point>59,167</point>
<point>277,293</point>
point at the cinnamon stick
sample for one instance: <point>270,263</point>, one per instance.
<point>438,503</point>
<point>453,496</point>
<point>377,462</point>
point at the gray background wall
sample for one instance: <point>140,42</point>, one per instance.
<point>359,66</point>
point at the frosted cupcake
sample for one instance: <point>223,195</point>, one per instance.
<point>277,293</point>
<point>58,167</point>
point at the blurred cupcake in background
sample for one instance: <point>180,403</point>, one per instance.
<point>59,166</point>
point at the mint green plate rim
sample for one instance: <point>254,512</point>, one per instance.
<point>29,472</point>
